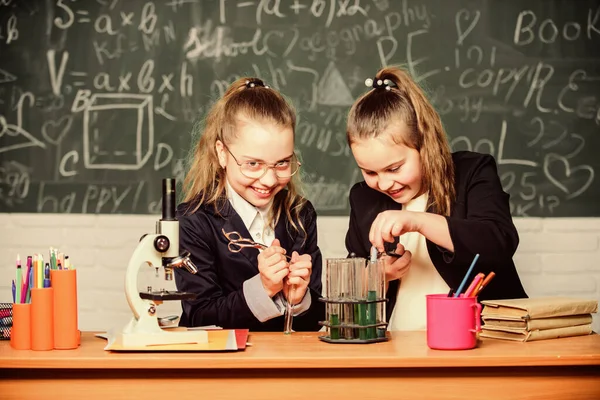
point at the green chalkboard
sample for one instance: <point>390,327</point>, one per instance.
<point>98,97</point>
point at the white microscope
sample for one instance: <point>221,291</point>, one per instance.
<point>161,248</point>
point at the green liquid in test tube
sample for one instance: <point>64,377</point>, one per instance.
<point>372,314</point>
<point>362,320</point>
<point>334,320</point>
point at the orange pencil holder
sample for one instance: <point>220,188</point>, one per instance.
<point>42,318</point>
<point>66,333</point>
<point>20,336</point>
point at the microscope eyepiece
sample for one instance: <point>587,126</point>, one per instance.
<point>168,199</point>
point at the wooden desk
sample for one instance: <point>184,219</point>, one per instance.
<point>299,366</point>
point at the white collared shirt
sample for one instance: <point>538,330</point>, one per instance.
<point>255,220</point>
<point>410,310</point>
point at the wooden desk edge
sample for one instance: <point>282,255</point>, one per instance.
<point>89,356</point>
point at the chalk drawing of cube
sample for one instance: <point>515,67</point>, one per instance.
<point>118,131</point>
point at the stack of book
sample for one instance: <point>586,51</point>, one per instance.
<point>540,318</point>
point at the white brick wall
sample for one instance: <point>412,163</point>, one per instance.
<point>555,256</point>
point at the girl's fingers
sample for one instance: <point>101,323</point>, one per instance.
<point>276,268</point>
<point>300,265</point>
<point>397,229</point>
<point>295,256</point>
<point>269,251</point>
<point>399,249</point>
<point>375,233</point>
<point>303,273</point>
<point>274,259</point>
<point>296,281</point>
<point>279,276</point>
<point>403,261</point>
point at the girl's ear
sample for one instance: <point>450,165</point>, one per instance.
<point>221,153</point>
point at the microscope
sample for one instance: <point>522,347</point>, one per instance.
<point>154,250</point>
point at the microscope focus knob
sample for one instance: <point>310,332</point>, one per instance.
<point>162,243</point>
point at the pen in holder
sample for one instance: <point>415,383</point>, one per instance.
<point>42,318</point>
<point>66,333</point>
<point>355,301</point>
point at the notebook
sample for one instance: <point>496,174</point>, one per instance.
<point>539,307</point>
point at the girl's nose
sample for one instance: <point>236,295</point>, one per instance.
<point>384,184</point>
<point>269,179</point>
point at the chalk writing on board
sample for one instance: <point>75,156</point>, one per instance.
<point>94,112</point>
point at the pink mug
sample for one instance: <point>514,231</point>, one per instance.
<point>452,322</point>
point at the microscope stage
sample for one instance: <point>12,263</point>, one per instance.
<point>168,295</point>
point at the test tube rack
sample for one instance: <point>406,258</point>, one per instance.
<point>354,301</point>
<point>356,322</point>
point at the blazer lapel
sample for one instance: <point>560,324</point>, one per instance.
<point>283,235</point>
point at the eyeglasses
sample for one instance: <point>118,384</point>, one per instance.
<point>257,169</point>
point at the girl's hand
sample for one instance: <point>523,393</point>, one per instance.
<point>273,268</point>
<point>299,275</point>
<point>391,224</point>
<point>397,267</point>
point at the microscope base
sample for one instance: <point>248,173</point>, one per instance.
<point>147,332</point>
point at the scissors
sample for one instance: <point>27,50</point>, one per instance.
<point>237,243</point>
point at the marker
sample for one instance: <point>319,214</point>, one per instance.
<point>18,281</point>
<point>28,299</point>
<point>471,289</point>
<point>27,282</point>
<point>40,271</point>
<point>485,282</point>
<point>47,276</point>
<point>52,259</point>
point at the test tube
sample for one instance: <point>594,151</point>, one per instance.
<point>360,295</point>
<point>379,286</point>
<point>332,293</point>
<point>346,295</point>
<point>375,291</point>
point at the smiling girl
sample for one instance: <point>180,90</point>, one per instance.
<point>244,179</point>
<point>436,208</point>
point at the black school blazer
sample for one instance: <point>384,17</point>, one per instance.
<point>480,222</point>
<point>222,273</point>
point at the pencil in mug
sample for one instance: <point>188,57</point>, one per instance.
<point>477,287</point>
<point>471,289</point>
<point>18,281</point>
<point>26,282</point>
<point>34,271</point>
<point>52,258</point>
<point>485,282</point>
<point>464,281</point>
<point>40,271</point>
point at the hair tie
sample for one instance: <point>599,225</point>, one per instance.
<point>250,83</point>
<point>386,84</point>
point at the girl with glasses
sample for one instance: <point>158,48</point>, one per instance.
<point>243,184</point>
<point>436,208</point>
